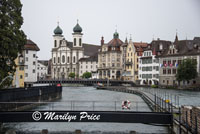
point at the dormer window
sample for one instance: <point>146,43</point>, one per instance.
<point>161,47</point>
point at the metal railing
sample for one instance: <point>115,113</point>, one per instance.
<point>73,105</point>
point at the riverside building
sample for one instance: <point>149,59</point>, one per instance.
<point>133,50</point>
<point>173,55</point>
<point>110,58</point>
<point>149,66</point>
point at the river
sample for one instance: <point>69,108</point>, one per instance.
<point>183,97</point>
<point>88,98</point>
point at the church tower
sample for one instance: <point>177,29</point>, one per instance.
<point>57,36</point>
<point>77,36</point>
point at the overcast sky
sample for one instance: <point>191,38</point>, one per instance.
<point>143,19</point>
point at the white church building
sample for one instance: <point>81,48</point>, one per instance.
<point>66,54</point>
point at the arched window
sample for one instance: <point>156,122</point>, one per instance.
<point>60,42</point>
<point>58,59</point>
<point>55,43</point>
<point>74,60</point>
<point>80,42</point>
<point>74,41</point>
<point>68,59</point>
<point>63,59</point>
<point>54,59</point>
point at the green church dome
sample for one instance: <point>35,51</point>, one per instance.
<point>77,29</point>
<point>58,31</point>
<point>116,35</point>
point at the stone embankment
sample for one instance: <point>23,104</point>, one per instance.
<point>24,98</point>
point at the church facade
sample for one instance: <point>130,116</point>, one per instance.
<point>66,54</point>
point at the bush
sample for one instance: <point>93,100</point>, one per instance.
<point>87,75</point>
<point>154,86</point>
<point>72,75</point>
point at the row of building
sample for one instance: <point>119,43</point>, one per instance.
<point>143,63</point>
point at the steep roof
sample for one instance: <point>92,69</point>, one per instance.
<point>140,44</point>
<point>115,42</point>
<point>43,62</point>
<point>91,58</point>
<point>184,47</point>
<point>30,45</point>
<point>155,44</point>
<point>89,49</point>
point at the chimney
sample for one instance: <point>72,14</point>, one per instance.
<point>154,51</point>
<point>102,41</point>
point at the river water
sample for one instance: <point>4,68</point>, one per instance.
<point>180,97</point>
<point>88,98</point>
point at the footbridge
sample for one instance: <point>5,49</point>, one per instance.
<point>86,81</point>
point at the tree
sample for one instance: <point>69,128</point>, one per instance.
<point>87,75</point>
<point>72,75</point>
<point>12,38</point>
<point>187,70</point>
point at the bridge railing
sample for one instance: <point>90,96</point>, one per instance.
<point>74,105</point>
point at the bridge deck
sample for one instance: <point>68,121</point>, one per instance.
<point>87,116</point>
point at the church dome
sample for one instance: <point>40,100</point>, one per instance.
<point>116,35</point>
<point>77,29</point>
<point>58,31</point>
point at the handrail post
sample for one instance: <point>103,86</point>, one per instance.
<point>179,120</point>
<point>115,105</point>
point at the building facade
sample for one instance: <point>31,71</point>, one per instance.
<point>175,53</point>
<point>88,65</point>
<point>110,59</point>
<point>42,69</point>
<point>124,47</point>
<point>30,62</point>
<point>66,55</point>
<point>149,67</point>
<point>18,78</point>
<point>134,49</point>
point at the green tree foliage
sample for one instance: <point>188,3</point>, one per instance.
<point>72,75</point>
<point>87,75</point>
<point>187,70</point>
<point>12,38</point>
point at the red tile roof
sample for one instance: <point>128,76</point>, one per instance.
<point>30,45</point>
<point>140,44</point>
<point>115,42</point>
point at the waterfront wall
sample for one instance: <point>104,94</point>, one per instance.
<point>190,117</point>
<point>19,98</point>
